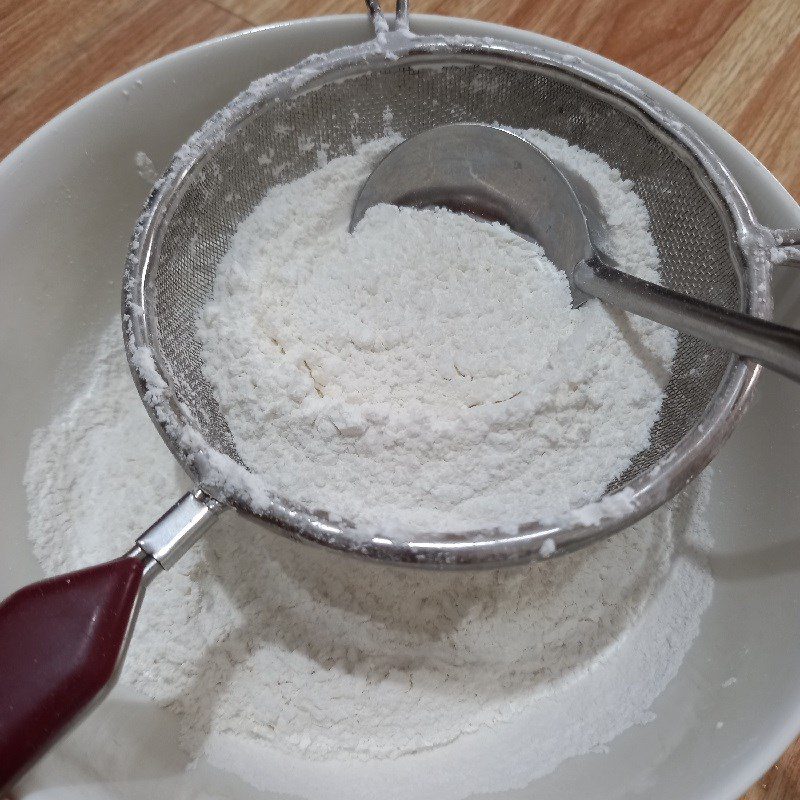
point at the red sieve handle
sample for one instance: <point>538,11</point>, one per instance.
<point>61,641</point>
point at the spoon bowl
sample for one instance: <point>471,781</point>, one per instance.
<point>490,173</point>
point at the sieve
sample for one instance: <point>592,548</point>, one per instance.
<point>62,641</point>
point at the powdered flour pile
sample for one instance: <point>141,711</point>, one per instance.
<point>261,646</point>
<point>428,372</point>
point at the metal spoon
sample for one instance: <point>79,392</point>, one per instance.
<point>495,174</point>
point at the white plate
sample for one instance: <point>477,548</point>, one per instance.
<point>68,198</point>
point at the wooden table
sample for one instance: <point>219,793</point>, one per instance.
<point>737,60</point>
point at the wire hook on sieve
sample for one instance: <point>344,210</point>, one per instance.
<point>401,17</point>
<point>788,246</point>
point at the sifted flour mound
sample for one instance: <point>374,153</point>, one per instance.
<point>428,372</point>
<point>261,645</point>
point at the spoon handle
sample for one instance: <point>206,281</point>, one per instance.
<point>775,346</point>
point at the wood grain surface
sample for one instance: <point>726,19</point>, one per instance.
<point>736,60</point>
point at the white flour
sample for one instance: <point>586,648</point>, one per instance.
<point>145,168</point>
<point>261,645</point>
<point>484,399</point>
<point>428,372</point>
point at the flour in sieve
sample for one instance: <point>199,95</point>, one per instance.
<point>262,646</point>
<point>428,371</point>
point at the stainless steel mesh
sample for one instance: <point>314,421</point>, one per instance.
<point>691,226</point>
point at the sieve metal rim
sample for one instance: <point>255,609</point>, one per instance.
<point>490,547</point>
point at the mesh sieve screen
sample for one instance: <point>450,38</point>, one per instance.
<point>691,229</point>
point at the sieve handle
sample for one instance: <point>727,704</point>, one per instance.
<point>775,346</point>
<point>61,641</point>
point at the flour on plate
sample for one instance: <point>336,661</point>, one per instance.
<point>280,651</point>
<point>426,372</point>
